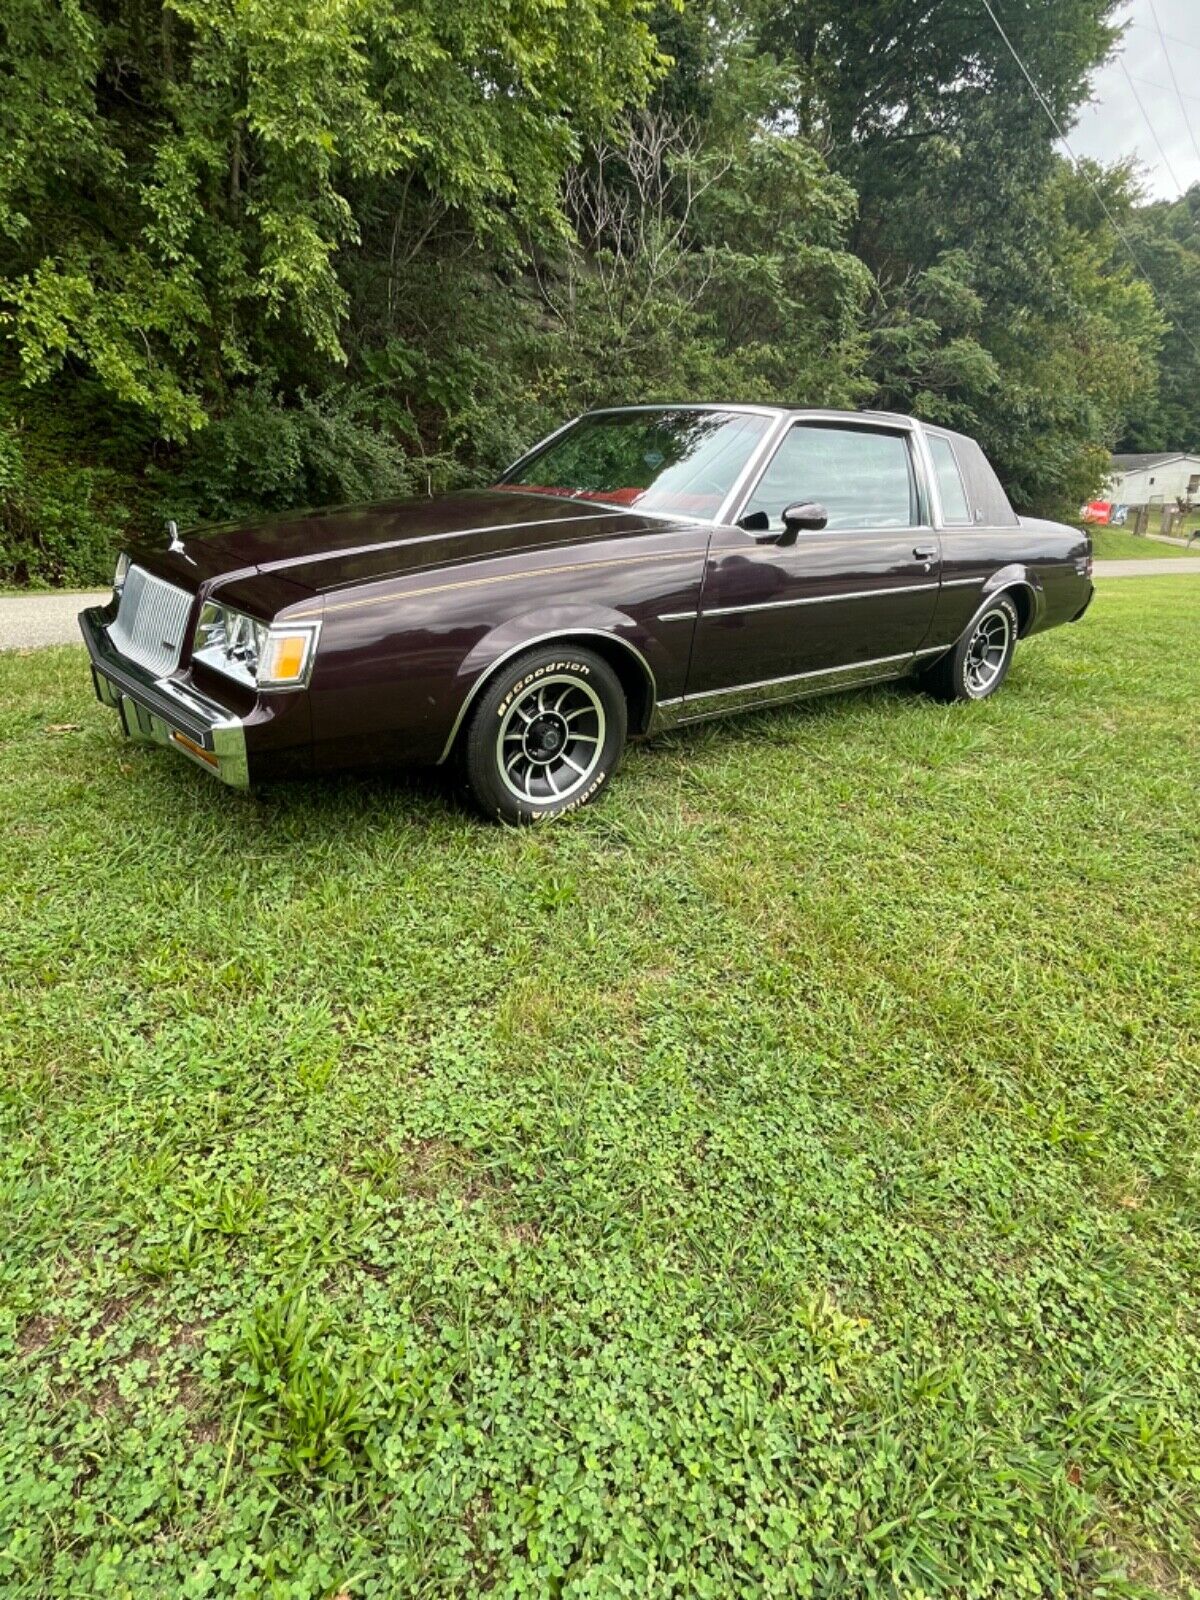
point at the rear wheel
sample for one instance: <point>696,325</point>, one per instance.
<point>979,662</point>
<point>546,736</point>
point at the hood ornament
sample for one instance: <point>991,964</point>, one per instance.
<point>174,542</point>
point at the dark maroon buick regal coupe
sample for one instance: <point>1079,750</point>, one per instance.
<point>643,567</point>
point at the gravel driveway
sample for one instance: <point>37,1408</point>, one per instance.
<point>30,620</point>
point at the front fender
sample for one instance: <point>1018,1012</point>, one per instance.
<point>610,630</point>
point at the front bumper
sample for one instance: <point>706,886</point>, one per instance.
<point>159,711</point>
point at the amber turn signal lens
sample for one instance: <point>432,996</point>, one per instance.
<point>286,657</point>
<point>197,750</point>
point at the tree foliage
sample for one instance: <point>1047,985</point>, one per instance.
<point>265,252</point>
<point>1167,239</point>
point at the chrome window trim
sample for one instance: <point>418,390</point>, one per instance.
<point>756,464</point>
<point>563,634</point>
<point>665,516</point>
<point>540,444</point>
<point>749,406</point>
<point>819,599</point>
<point>768,544</point>
<point>747,480</point>
<point>881,422</point>
<point>944,522</point>
<point>933,494</point>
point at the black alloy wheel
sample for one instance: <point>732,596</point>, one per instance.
<point>979,663</point>
<point>546,735</point>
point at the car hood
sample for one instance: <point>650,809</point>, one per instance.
<point>319,551</point>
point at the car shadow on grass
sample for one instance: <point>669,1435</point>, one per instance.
<point>356,800</point>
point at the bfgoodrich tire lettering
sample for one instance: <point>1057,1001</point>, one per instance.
<point>979,662</point>
<point>546,735</point>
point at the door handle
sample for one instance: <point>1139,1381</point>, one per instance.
<point>925,552</point>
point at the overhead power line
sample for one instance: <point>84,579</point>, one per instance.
<point>1171,69</point>
<point>1152,83</point>
<point>1085,175</point>
<point>1174,176</point>
<point>1188,44</point>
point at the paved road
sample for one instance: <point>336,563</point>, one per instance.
<point>1148,569</point>
<point>30,620</point>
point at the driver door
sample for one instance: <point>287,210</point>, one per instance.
<point>853,599</point>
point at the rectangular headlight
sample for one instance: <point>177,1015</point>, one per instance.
<point>229,641</point>
<point>210,630</point>
<point>257,655</point>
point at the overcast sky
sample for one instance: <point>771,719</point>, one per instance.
<point>1113,125</point>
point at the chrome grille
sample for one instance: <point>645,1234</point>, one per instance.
<point>150,622</point>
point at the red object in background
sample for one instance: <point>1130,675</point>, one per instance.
<point>1098,511</point>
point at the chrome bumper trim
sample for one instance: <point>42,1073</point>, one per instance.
<point>157,711</point>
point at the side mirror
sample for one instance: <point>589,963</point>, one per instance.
<point>806,516</point>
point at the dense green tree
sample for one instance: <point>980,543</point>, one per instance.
<point>1004,303</point>
<point>927,112</point>
<point>186,184</point>
<point>1166,237</point>
<point>256,253</point>
<point>176,190</point>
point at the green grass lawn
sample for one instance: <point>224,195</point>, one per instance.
<point>1119,544</point>
<point>782,1179</point>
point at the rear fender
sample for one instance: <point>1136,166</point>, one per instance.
<point>1027,592</point>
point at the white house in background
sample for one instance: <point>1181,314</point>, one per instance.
<point>1161,479</point>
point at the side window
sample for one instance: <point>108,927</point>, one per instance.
<point>862,476</point>
<point>954,496</point>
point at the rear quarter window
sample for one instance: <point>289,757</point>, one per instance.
<point>950,481</point>
<point>984,490</point>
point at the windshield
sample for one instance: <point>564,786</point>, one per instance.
<point>683,462</point>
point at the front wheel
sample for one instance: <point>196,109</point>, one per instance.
<point>979,662</point>
<point>546,736</point>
